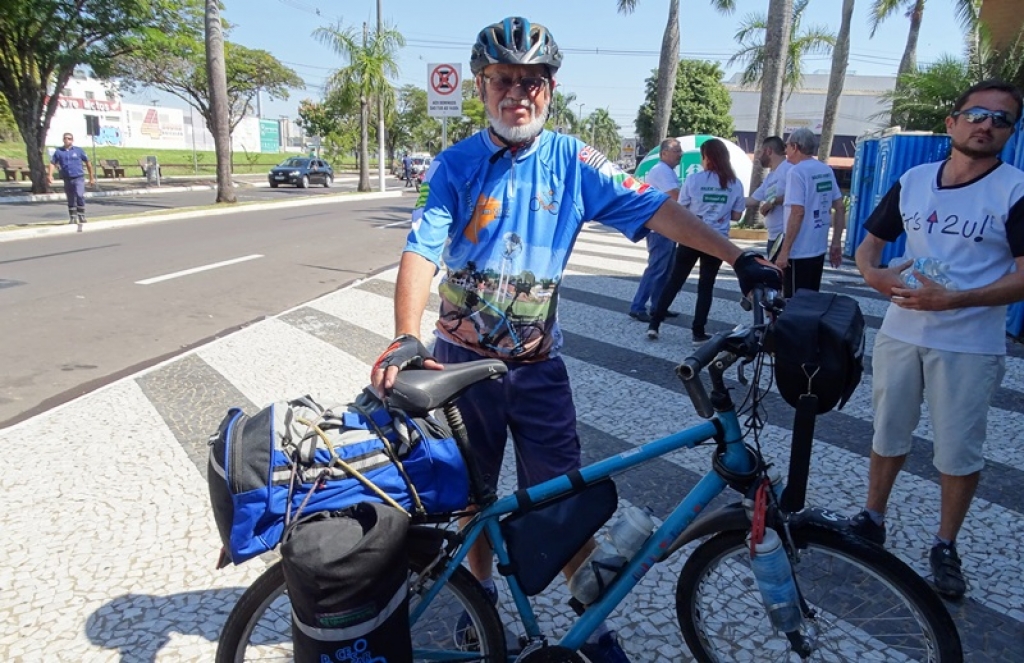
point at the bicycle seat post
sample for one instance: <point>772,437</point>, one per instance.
<point>482,494</point>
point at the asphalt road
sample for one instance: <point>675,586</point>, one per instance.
<point>57,212</point>
<point>82,309</point>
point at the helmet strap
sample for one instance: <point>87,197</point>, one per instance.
<point>508,147</point>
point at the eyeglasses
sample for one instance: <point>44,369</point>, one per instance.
<point>977,115</point>
<point>530,84</point>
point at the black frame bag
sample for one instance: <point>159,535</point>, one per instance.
<point>347,576</point>
<point>818,343</point>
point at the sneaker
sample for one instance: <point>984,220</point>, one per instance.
<point>642,316</point>
<point>465,633</point>
<point>72,220</point>
<point>606,650</point>
<point>946,572</point>
<point>700,337</point>
<point>652,333</point>
<point>671,314</point>
<point>863,526</point>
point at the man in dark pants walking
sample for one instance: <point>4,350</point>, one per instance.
<point>70,160</point>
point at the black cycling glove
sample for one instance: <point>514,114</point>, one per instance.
<point>753,270</point>
<point>406,350</point>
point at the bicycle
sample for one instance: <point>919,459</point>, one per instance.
<point>512,333</point>
<point>857,601</point>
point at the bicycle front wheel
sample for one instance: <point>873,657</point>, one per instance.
<point>259,627</point>
<point>867,605</point>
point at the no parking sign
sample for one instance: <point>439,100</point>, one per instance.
<point>444,90</point>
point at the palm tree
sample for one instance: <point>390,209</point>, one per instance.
<point>966,14</point>
<point>560,116</point>
<point>371,62</point>
<point>840,58</point>
<point>752,39</point>
<point>603,133</point>
<point>216,74</point>
<point>668,62</point>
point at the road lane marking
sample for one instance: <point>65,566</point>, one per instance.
<point>195,270</point>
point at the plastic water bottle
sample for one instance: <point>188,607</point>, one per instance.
<point>933,268</point>
<point>625,537</point>
<point>775,580</point>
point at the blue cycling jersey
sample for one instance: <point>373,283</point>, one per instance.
<point>502,225</point>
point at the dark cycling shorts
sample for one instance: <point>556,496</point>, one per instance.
<point>534,402</point>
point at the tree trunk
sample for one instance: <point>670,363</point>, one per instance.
<point>220,126</point>
<point>909,61</point>
<point>668,66</point>
<point>776,43</point>
<point>836,79</point>
<point>32,115</point>
<point>364,144</point>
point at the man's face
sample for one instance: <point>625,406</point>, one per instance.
<point>68,140</point>
<point>672,155</point>
<point>765,157</point>
<point>792,154</point>
<point>984,139</point>
<point>516,98</point>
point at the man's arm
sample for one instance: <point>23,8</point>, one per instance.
<point>681,225</point>
<point>88,166</point>
<point>835,253</point>
<point>793,223</point>
<point>412,289</point>
<point>933,297</point>
<point>869,256</point>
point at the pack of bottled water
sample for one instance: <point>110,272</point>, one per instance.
<point>933,268</point>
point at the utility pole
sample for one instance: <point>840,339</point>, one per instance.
<point>582,134</point>
<point>380,112</point>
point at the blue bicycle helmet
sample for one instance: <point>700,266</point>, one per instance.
<point>515,41</point>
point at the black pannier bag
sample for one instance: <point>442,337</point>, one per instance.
<point>347,576</point>
<point>818,343</point>
<point>543,539</point>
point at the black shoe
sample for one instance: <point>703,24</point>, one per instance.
<point>81,218</point>
<point>671,314</point>
<point>642,316</point>
<point>946,571</point>
<point>652,333</point>
<point>700,337</point>
<point>606,650</point>
<point>867,529</point>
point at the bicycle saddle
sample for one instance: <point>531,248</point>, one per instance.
<point>419,391</point>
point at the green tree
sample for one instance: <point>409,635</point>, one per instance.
<point>473,119</point>
<point>966,12</point>
<point>560,116</point>
<point>700,103</point>
<point>8,127</point>
<point>43,41</point>
<point>178,67</point>
<point>603,133</point>
<point>668,60</point>
<point>370,64</point>
<point>752,37</point>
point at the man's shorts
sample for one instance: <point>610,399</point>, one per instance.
<point>534,402</point>
<point>958,388</point>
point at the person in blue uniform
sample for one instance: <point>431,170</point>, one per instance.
<point>72,164</point>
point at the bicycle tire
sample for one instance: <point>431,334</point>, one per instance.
<point>264,611</point>
<point>869,605</point>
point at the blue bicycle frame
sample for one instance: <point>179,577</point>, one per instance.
<point>725,426</point>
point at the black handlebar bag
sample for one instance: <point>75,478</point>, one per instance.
<point>347,577</point>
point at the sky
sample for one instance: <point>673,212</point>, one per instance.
<point>607,55</point>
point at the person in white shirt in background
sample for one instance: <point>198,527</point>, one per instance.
<point>715,195</point>
<point>662,177</point>
<point>813,204</point>
<point>771,195</point>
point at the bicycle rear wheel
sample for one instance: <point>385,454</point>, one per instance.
<point>259,627</point>
<point>867,604</point>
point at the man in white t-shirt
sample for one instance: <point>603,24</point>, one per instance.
<point>771,195</point>
<point>659,248</point>
<point>813,204</point>
<point>946,346</point>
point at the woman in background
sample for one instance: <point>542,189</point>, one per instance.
<point>715,195</point>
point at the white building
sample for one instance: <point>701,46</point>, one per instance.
<point>862,109</point>
<point>150,126</point>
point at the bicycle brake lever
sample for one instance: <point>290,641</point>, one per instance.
<point>740,376</point>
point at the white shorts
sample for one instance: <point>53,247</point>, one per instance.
<point>958,388</point>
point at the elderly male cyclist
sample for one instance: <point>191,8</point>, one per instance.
<point>510,201</point>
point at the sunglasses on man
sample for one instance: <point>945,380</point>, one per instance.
<point>530,84</point>
<point>977,115</point>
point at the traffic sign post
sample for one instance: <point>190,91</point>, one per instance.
<point>444,94</point>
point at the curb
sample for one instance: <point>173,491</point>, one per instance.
<point>68,228</point>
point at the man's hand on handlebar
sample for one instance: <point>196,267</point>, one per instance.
<point>404,352</point>
<point>753,270</point>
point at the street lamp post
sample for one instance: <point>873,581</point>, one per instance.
<point>192,121</point>
<point>582,134</point>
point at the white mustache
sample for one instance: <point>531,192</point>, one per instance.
<point>508,102</point>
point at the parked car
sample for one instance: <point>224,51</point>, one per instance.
<point>420,163</point>
<point>301,172</point>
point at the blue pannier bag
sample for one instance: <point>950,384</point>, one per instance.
<point>300,457</point>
